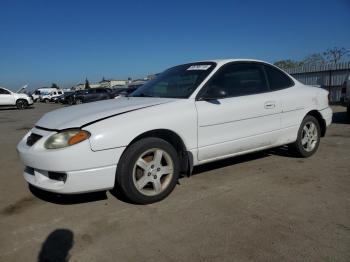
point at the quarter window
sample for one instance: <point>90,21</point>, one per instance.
<point>240,79</point>
<point>277,79</point>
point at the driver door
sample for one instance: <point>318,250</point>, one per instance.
<point>244,118</point>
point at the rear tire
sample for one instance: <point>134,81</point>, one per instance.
<point>78,101</point>
<point>308,139</point>
<point>21,104</point>
<point>348,110</point>
<point>147,171</point>
<point>46,100</point>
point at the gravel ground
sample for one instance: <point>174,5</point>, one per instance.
<point>265,206</point>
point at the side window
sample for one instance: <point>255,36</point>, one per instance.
<point>240,79</point>
<point>277,79</point>
<point>101,91</point>
<point>4,92</point>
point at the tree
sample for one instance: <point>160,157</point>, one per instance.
<point>54,85</point>
<point>287,64</point>
<point>87,84</point>
<point>335,54</point>
<point>314,59</point>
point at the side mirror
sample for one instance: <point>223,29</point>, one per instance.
<point>214,92</point>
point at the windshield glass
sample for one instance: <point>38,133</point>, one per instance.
<point>176,82</point>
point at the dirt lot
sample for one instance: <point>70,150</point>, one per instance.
<point>262,207</point>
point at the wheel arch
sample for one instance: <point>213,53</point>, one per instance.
<point>185,157</point>
<point>22,99</point>
<point>320,120</point>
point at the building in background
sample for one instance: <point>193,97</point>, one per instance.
<point>81,86</point>
<point>329,76</point>
<point>108,83</point>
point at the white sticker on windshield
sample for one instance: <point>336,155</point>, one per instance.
<point>198,67</point>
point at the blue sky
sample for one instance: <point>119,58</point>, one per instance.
<point>65,41</point>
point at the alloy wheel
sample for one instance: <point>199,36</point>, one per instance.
<point>309,136</point>
<point>153,171</point>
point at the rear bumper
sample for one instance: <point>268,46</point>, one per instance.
<point>327,115</point>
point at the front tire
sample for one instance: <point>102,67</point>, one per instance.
<point>148,171</point>
<point>309,136</point>
<point>21,104</point>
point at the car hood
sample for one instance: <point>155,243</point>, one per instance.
<point>25,96</point>
<point>86,114</point>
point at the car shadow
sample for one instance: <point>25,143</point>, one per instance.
<point>229,162</point>
<point>118,195</point>
<point>67,199</point>
<point>341,118</point>
<point>56,247</point>
<point>102,195</point>
<point>282,151</point>
<point>14,108</point>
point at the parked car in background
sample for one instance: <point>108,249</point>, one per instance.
<point>125,91</point>
<point>89,95</point>
<point>189,115</point>
<point>38,93</point>
<point>9,98</point>
<point>345,94</point>
<point>47,97</point>
<point>63,98</point>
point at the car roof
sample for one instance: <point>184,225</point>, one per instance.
<point>225,61</point>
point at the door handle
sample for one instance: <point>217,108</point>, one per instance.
<point>270,105</point>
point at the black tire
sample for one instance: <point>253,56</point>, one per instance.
<point>78,101</point>
<point>46,100</point>
<point>125,182</point>
<point>297,147</point>
<point>21,104</point>
<point>348,110</point>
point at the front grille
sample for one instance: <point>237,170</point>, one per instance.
<point>57,176</point>
<point>32,139</point>
<point>29,170</point>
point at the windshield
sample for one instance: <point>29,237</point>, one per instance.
<point>176,82</point>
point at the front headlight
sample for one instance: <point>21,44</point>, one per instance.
<point>66,138</point>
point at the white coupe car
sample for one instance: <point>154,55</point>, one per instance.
<point>189,115</point>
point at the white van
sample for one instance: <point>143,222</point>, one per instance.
<point>46,94</point>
